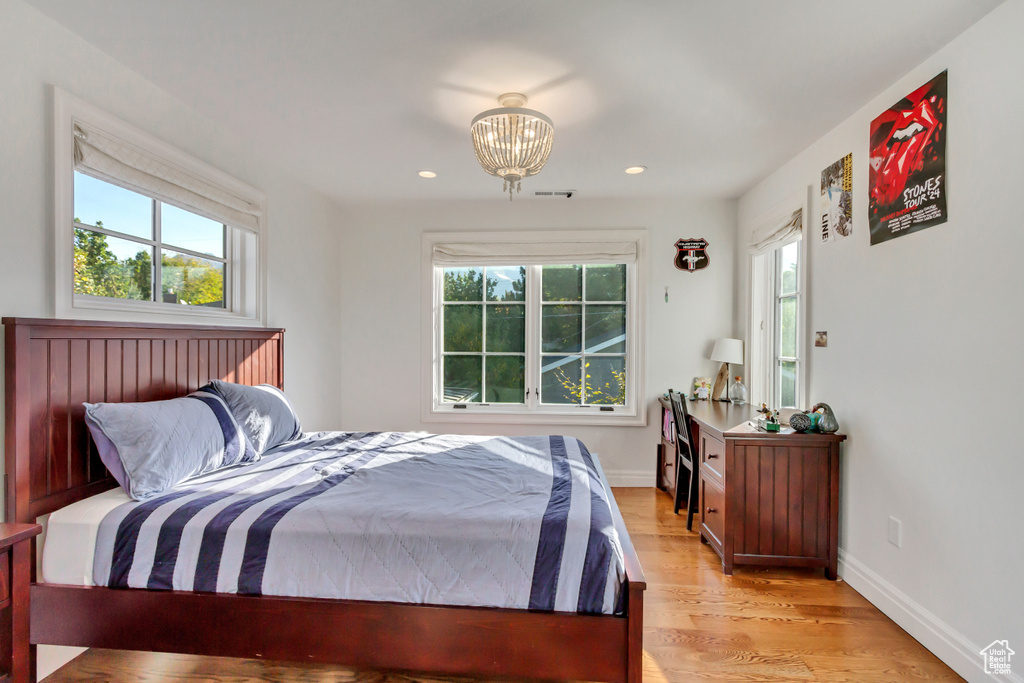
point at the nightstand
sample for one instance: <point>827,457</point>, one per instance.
<point>15,576</point>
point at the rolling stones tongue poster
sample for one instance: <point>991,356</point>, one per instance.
<point>907,169</point>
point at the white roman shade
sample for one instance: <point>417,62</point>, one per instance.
<point>525,253</point>
<point>115,160</point>
<point>776,235</point>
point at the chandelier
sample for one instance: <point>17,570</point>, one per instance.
<point>511,142</point>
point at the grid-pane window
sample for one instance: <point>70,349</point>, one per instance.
<point>130,246</point>
<point>540,337</point>
<point>484,334</point>
<point>786,316</point>
<point>583,334</point>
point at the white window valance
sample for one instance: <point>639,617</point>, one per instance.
<point>489,253</point>
<point>776,235</point>
<point>115,160</point>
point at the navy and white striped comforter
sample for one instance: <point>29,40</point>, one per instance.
<point>518,522</point>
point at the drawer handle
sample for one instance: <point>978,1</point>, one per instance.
<point>712,456</point>
<point>712,511</point>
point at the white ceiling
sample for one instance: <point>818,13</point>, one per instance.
<point>355,97</point>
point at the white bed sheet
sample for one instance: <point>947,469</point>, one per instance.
<point>71,538</point>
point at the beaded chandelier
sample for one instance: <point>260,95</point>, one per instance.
<point>511,142</point>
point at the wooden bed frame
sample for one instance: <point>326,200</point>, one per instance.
<point>54,365</point>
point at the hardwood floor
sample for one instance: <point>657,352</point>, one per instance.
<point>757,625</point>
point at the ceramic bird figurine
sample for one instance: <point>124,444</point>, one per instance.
<point>828,423</point>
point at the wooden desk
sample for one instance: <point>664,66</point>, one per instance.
<point>765,498</point>
<point>666,477</point>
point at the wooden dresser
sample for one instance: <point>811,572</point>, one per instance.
<point>765,498</point>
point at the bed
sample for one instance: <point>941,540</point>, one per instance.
<point>53,366</point>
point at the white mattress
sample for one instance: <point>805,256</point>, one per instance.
<point>71,538</point>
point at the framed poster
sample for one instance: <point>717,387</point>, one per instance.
<point>837,200</point>
<point>907,170</point>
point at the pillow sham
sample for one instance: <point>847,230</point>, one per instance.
<point>108,452</point>
<point>159,444</point>
<point>264,413</point>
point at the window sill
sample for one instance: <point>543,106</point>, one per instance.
<point>484,416</point>
<point>88,307</point>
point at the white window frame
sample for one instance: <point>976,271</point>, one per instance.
<point>435,409</point>
<point>245,295</point>
<point>762,347</point>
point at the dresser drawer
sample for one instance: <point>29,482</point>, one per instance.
<point>712,510</point>
<point>712,456</point>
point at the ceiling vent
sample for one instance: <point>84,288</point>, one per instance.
<point>568,194</point>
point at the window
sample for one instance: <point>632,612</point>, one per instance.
<point>144,231</point>
<point>583,334</point>
<point>145,250</point>
<point>534,341</point>
<point>776,347</point>
<point>787,310</point>
<point>484,333</point>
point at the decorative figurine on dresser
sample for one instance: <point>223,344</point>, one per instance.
<point>15,576</point>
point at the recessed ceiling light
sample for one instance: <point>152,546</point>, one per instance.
<point>633,170</point>
<point>427,174</point>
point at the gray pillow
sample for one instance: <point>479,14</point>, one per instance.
<point>108,453</point>
<point>160,444</point>
<point>263,412</point>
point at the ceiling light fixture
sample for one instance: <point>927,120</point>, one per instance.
<point>427,174</point>
<point>511,142</point>
<point>633,170</point>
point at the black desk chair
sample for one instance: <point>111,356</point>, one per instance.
<point>686,457</point>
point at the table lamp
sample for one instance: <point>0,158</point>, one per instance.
<point>726,351</point>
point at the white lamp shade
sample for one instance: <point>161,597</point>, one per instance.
<point>728,351</point>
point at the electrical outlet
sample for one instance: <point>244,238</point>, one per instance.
<point>895,532</point>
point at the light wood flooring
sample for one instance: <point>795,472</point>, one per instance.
<point>757,625</point>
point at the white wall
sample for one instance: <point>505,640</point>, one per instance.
<point>303,235</point>
<point>923,366</point>
<point>381,304</point>
<point>35,54</point>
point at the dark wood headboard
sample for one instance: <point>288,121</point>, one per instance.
<point>54,365</point>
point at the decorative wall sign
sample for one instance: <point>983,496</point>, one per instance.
<point>908,164</point>
<point>837,200</point>
<point>691,254</point>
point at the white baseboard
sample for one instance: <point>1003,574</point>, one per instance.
<point>630,478</point>
<point>944,641</point>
